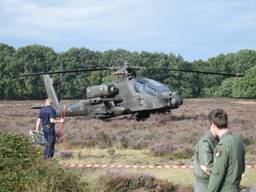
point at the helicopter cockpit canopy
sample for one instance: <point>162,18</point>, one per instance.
<point>157,85</point>
<point>150,86</point>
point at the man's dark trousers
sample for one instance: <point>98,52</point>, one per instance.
<point>50,136</point>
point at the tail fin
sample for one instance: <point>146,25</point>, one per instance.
<point>48,83</point>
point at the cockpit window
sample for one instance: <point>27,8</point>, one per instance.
<point>150,90</point>
<point>157,85</point>
<point>138,86</point>
<point>143,85</point>
<point>150,86</point>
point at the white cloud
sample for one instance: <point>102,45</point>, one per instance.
<point>190,27</point>
<point>31,16</point>
<point>94,19</point>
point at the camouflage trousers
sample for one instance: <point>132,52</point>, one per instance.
<point>200,187</point>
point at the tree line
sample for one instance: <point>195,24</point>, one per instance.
<point>38,58</point>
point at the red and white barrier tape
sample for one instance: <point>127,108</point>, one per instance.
<point>134,166</point>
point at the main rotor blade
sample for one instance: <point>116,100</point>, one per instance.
<point>62,71</point>
<point>132,68</point>
<point>195,71</point>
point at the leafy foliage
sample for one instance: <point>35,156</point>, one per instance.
<point>246,86</point>
<point>23,169</point>
<point>37,58</point>
<point>240,88</point>
<point>225,90</point>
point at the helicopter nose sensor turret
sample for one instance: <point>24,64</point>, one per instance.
<point>176,100</point>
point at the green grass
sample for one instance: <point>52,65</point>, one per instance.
<point>182,177</point>
<point>186,177</point>
<point>130,156</point>
<point>176,176</point>
<point>249,178</point>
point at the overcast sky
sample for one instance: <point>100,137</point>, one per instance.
<point>195,29</point>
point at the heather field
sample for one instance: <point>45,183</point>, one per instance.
<point>171,134</point>
<point>163,138</point>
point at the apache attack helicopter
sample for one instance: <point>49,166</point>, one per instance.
<point>129,94</point>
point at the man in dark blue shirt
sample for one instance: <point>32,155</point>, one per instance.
<point>47,120</point>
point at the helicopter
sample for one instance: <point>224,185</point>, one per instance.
<point>128,94</point>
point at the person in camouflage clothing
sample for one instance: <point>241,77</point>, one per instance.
<point>203,160</point>
<point>229,156</point>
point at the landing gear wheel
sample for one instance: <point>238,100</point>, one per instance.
<point>142,116</point>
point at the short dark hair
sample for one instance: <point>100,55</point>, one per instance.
<point>219,117</point>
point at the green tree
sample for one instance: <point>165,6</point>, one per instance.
<point>226,88</point>
<point>31,59</point>
<point>6,58</point>
<point>245,87</point>
<point>244,60</point>
<point>74,85</point>
<point>37,58</point>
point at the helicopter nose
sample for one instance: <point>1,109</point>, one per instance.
<point>176,100</point>
<point>167,95</point>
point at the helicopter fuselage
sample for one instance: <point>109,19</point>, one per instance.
<point>124,96</point>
